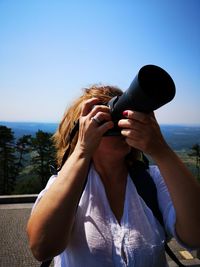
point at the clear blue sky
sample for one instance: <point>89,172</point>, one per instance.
<point>49,50</point>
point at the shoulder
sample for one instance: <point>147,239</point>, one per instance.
<point>49,183</point>
<point>41,194</point>
<point>162,189</point>
<point>156,175</point>
<point>154,171</point>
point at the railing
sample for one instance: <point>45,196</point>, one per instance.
<point>14,199</point>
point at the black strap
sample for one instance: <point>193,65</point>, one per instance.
<point>46,263</point>
<point>173,256</point>
<point>146,188</point>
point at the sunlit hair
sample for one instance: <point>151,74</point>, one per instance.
<point>72,114</point>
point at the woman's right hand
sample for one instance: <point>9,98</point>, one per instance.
<point>90,130</point>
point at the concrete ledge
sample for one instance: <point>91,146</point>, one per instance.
<point>191,263</point>
<point>12,199</point>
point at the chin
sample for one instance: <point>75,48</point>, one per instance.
<point>115,144</point>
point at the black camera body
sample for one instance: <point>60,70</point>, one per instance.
<point>151,88</point>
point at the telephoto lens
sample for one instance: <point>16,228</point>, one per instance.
<point>152,88</point>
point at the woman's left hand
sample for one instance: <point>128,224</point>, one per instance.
<point>142,132</point>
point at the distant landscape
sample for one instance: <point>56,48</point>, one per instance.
<point>183,139</point>
<point>22,128</point>
<point>179,137</point>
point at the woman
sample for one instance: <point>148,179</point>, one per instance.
<point>90,214</point>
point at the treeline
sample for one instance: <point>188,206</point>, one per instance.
<point>24,163</point>
<point>195,154</point>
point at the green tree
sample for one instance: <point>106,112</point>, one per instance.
<point>196,153</point>
<point>44,152</point>
<point>8,170</point>
<point>23,147</point>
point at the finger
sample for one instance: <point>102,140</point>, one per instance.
<point>99,109</point>
<point>127,132</point>
<point>105,127</point>
<point>125,123</point>
<point>133,134</point>
<point>138,116</point>
<point>130,123</point>
<point>96,120</point>
<point>101,117</point>
<point>132,143</point>
<point>88,105</point>
<point>132,138</point>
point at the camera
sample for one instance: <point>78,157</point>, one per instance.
<point>152,88</point>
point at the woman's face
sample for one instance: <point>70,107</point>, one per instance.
<point>115,146</point>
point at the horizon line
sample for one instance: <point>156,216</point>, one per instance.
<point>163,124</point>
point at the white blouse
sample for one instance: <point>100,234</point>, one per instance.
<point>98,240</point>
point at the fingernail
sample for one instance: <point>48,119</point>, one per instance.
<point>125,113</point>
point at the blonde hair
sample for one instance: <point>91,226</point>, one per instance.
<point>72,114</point>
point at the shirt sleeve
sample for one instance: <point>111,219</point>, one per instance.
<point>41,194</point>
<point>166,205</point>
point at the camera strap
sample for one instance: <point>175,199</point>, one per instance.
<point>147,190</point>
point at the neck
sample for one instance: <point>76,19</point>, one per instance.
<point>110,169</point>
